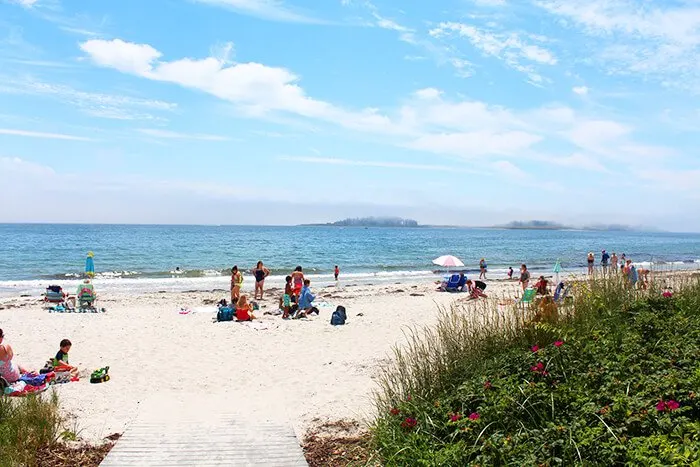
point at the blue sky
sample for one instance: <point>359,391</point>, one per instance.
<point>465,112</point>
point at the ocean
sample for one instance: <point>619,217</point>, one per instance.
<point>145,257</point>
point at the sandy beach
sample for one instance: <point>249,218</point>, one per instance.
<point>297,371</point>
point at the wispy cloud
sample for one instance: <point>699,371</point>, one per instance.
<point>657,40</point>
<point>111,106</point>
<point>24,3</point>
<point>379,164</point>
<point>273,10</point>
<point>510,47</point>
<point>38,134</point>
<point>166,134</point>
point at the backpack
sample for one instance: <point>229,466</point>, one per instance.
<point>225,313</point>
<point>339,316</point>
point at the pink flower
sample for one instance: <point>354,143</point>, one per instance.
<point>488,385</point>
<point>558,343</point>
<point>455,417</point>
<point>409,423</point>
<point>534,348</point>
<point>394,411</point>
<point>409,398</point>
<point>539,368</point>
<point>474,416</point>
<point>672,405</point>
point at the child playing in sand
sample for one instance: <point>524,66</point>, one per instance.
<point>244,310</point>
<point>60,363</point>
<point>286,300</point>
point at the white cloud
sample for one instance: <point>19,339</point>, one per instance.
<point>476,143</point>
<point>24,3</point>
<point>273,10</point>
<point>509,47</point>
<point>96,104</point>
<point>580,90</point>
<point>166,134</point>
<point>653,39</point>
<point>579,161</point>
<point>428,93</point>
<point>11,167</point>
<point>379,164</point>
<point>510,170</point>
<point>256,88</point>
<point>38,134</point>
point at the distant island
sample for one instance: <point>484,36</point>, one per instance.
<point>371,222</point>
<point>549,225</point>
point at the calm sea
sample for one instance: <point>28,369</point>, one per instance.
<point>146,256</point>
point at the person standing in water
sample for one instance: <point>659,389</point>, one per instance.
<point>336,272</point>
<point>591,261</point>
<point>260,272</point>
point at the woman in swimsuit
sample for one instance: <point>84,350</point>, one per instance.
<point>236,284</point>
<point>297,280</point>
<point>591,261</point>
<point>8,368</point>
<point>260,272</point>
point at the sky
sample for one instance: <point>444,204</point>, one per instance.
<point>464,112</point>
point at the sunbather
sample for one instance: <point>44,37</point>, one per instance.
<point>244,310</point>
<point>541,286</point>
<point>9,370</point>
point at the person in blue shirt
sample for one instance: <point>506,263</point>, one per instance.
<point>306,298</point>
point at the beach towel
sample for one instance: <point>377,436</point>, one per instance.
<point>21,389</point>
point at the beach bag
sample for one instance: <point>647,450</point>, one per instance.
<point>225,313</point>
<point>339,316</point>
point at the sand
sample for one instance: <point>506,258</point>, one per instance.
<point>295,371</point>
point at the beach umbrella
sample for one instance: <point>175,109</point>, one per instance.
<point>557,270</point>
<point>90,264</point>
<point>448,261</point>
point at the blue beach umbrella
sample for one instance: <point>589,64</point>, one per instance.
<point>90,265</point>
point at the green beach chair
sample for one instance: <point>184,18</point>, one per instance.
<point>529,295</point>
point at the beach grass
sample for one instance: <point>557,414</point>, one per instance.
<point>611,379</point>
<point>27,425</point>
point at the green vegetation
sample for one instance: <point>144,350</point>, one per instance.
<point>27,425</point>
<point>612,380</point>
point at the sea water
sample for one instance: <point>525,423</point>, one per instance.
<point>146,257</point>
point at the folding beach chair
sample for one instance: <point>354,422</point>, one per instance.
<point>529,295</point>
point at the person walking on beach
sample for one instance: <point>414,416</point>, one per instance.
<point>623,262</point>
<point>613,262</point>
<point>524,277</point>
<point>591,263</point>
<point>336,272</point>
<point>236,284</point>
<point>482,268</point>
<point>605,257</point>
<point>510,272</point>
<point>260,272</point>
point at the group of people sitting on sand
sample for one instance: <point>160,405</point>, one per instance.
<point>460,283</point>
<point>296,302</point>
<point>11,372</point>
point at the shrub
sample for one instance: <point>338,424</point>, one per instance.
<point>611,381</point>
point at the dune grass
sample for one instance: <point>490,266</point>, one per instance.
<point>611,380</point>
